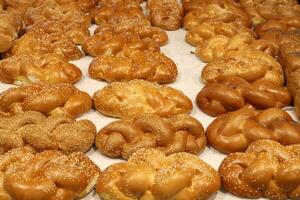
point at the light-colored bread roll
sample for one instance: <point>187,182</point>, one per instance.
<point>251,65</point>
<point>25,174</point>
<point>217,46</point>
<point>266,169</point>
<point>46,98</point>
<point>235,131</point>
<point>234,93</point>
<point>24,69</point>
<point>40,42</point>
<point>147,65</point>
<point>166,14</point>
<point>58,132</point>
<point>180,133</point>
<point>177,176</point>
<point>139,97</point>
<point>198,34</point>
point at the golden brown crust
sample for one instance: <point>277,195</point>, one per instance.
<point>206,30</point>
<point>25,69</point>
<point>46,98</point>
<point>166,14</point>
<point>47,175</point>
<point>177,176</point>
<point>221,12</point>
<point>267,169</point>
<point>217,46</point>
<point>234,93</point>
<point>281,37</point>
<point>147,65</point>
<point>181,133</point>
<point>66,19</point>
<point>235,131</point>
<point>58,132</point>
<point>250,65</point>
<point>190,5</point>
<point>40,42</point>
<point>139,97</point>
<point>10,27</point>
<point>260,10</point>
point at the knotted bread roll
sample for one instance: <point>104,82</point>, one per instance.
<point>266,169</point>
<point>180,133</point>
<point>177,176</point>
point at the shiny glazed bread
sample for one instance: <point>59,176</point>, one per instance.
<point>180,133</point>
<point>46,98</point>
<point>40,42</point>
<point>147,65</point>
<point>25,174</point>
<point>24,69</point>
<point>235,131</point>
<point>266,169</point>
<point>206,30</point>
<point>217,46</point>
<point>251,65</point>
<point>166,14</point>
<point>139,97</point>
<point>190,5</point>
<point>177,176</point>
<point>234,93</point>
<point>58,132</point>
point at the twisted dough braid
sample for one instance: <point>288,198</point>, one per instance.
<point>180,133</point>
<point>234,93</point>
<point>46,98</point>
<point>25,174</point>
<point>234,132</point>
<point>139,97</point>
<point>266,169</point>
<point>57,132</point>
<point>251,65</point>
<point>177,176</point>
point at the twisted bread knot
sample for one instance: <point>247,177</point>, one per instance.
<point>266,169</point>
<point>57,132</point>
<point>281,37</point>
<point>235,131</point>
<point>47,175</point>
<point>166,14</point>
<point>178,176</point>
<point>190,5</point>
<point>217,46</point>
<point>24,69</point>
<point>46,98</point>
<point>39,42</point>
<point>234,93</point>
<point>217,12</point>
<point>198,34</point>
<point>131,63</point>
<point>10,26</point>
<point>139,97</point>
<point>176,134</point>
<point>251,65</point>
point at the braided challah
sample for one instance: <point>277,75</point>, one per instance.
<point>234,93</point>
<point>180,133</point>
<point>266,169</point>
<point>235,131</point>
<point>49,99</point>
<point>27,175</point>
<point>139,97</point>
<point>58,132</point>
<point>177,176</point>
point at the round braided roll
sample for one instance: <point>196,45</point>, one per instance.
<point>58,132</point>
<point>234,93</point>
<point>235,131</point>
<point>46,98</point>
<point>177,176</point>
<point>27,175</point>
<point>266,169</point>
<point>181,133</point>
